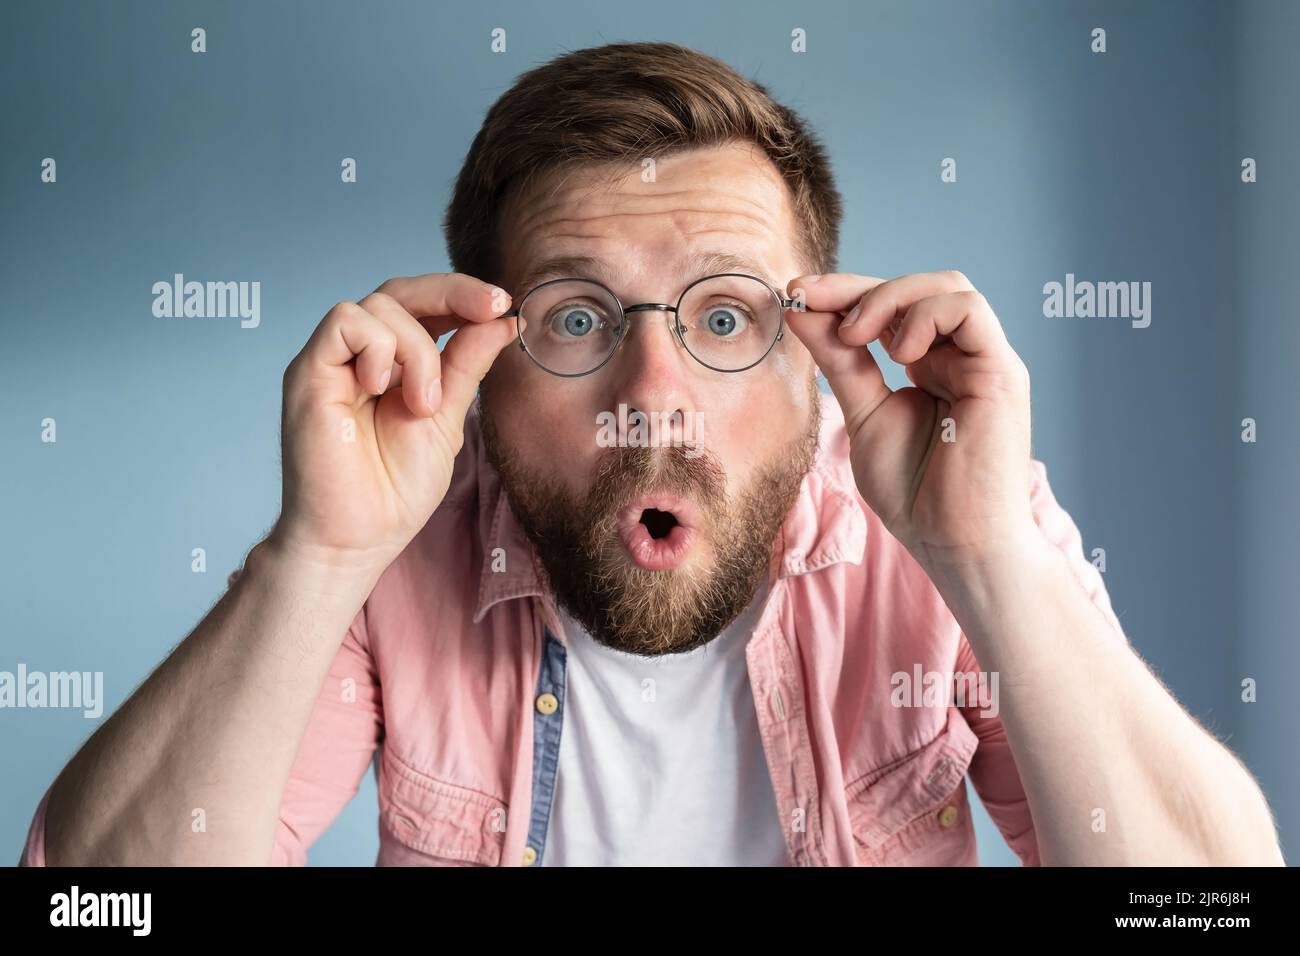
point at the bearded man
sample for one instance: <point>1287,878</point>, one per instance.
<point>558,649</point>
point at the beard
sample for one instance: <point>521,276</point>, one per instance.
<point>587,567</point>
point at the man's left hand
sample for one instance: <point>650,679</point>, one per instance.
<point>944,464</point>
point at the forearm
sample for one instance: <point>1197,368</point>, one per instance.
<point>1092,729</point>
<point>214,729</point>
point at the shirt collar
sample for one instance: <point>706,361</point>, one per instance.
<point>825,526</point>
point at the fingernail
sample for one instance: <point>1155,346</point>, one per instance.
<point>434,394</point>
<point>383,380</point>
<point>852,316</point>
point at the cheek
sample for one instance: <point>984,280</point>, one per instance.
<point>548,423</point>
<point>749,421</point>
<point>792,364</point>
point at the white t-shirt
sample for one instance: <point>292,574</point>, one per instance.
<point>661,762</point>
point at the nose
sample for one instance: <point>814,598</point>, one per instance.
<point>651,373</point>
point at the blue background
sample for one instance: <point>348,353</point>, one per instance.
<point>1122,166</point>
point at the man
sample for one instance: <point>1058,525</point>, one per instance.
<point>734,642</point>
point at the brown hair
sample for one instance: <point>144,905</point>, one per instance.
<point>624,101</point>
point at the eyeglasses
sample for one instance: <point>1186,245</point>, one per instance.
<point>727,322</point>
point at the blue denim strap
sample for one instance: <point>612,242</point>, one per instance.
<point>546,742</point>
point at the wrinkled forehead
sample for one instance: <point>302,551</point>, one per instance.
<point>665,220</point>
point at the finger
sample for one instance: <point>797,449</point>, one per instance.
<point>852,373</point>
<point>417,354</point>
<point>350,334</point>
<point>964,317</point>
<point>439,325</point>
<point>934,373</point>
<point>440,295</point>
<point>374,367</point>
<point>888,300</point>
<point>466,358</point>
<point>845,294</point>
<point>833,292</point>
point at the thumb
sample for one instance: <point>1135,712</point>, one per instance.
<point>466,358</point>
<point>850,370</point>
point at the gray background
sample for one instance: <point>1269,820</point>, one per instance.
<point>225,166</point>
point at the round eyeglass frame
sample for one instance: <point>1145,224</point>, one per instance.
<point>677,328</point>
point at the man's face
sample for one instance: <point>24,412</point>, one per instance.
<point>654,549</point>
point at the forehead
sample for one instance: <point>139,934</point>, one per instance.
<point>694,212</point>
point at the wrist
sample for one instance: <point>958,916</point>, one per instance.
<point>1012,558</point>
<point>1014,543</point>
<point>322,573</point>
<point>997,593</point>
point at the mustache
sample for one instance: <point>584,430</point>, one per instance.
<point>625,472</point>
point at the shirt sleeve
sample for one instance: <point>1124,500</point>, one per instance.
<point>993,768</point>
<point>345,727</point>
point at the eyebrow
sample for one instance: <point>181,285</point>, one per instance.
<point>589,267</point>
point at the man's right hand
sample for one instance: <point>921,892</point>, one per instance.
<point>373,419</point>
<point>374,416</point>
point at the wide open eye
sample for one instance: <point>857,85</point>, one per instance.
<point>725,321</point>
<point>575,321</point>
<point>729,321</point>
<point>571,326</point>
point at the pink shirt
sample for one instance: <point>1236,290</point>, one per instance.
<point>453,672</point>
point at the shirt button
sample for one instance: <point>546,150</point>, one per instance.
<point>547,704</point>
<point>947,816</point>
<point>530,856</point>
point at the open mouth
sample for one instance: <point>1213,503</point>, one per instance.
<point>658,523</point>
<point>658,531</point>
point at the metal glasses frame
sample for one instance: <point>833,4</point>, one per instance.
<point>678,329</point>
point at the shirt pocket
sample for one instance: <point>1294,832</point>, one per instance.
<point>433,822</point>
<point>915,811</point>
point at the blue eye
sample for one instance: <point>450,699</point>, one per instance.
<point>576,322</point>
<point>726,321</point>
